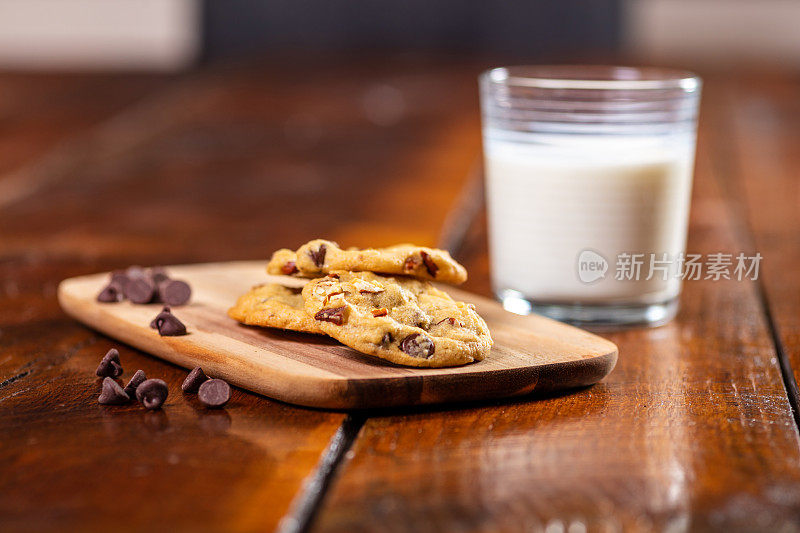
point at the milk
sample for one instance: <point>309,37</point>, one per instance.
<point>550,198</point>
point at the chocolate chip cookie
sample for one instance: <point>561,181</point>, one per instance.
<point>318,257</point>
<point>402,320</point>
<point>274,306</point>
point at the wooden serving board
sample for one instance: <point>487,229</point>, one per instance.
<point>531,353</point>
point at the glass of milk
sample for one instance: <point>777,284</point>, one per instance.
<point>588,183</point>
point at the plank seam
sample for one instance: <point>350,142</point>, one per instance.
<point>723,151</point>
<point>12,379</point>
<point>789,382</point>
<point>308,501</point>
<point>33,362</point>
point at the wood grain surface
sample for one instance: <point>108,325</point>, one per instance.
<point>530,353</point>
<point>759,146</point>
<point>244,160</point>
<point>694,430</point>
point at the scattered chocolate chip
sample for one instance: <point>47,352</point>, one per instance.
<point>193,381</point>
<point>411,264</point>
<point>112,393</point>
<point>333,275</point>
<point>214,393</point>
<point>158,274</point>
<point>289,268</point>
<point>450,320</point>
<point>140,290</point>
<point>334,315</point>
<point>136,271</point>
<point>119,276</point>
<point>137,379</point>
<point>112,355</point>
<point>142,286</point>
<point>154,322</point>
<point>108,368</point>
<point>318,256</point>
<point>380,312</point>
<point>418,345</point>
<point>111,293</point>
<point>430,265</point>
<point>168,324</point>
<point>174,292</point>
<point>152,393</point>
<point>387,338</point>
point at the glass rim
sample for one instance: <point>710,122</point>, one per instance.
<point>594,77</point>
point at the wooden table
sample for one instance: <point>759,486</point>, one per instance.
<point>695,429</point>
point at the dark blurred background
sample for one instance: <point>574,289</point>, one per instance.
<point>228,116</point>
<point>169,35</point>
<point>519,28</point>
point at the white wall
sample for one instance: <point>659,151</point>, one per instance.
<point>722,32</point>
<point>99,34</point>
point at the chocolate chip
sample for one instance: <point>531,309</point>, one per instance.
<point>112,393</point>
<point>430,266</point>
<point>108,368</point>
<point>168,324</point>
<point>193,381</point>
<point>111,293</point>
<point>450,320</point>
<point>387,338</point>
<point>137,379</point>
<point>334,315</point>
<point>119,276</point>
<point>154,322</point>
<point>318,256</point>
<point>214,393</point>
<point>174,292</point>
<point>140,290</point>
<point>158,274</point>
<point>110,365</point>
<point>135,271</point>
<point>152,393</point>
<point>418,345</point>
<point>112,355</point>
<point>289,268</point>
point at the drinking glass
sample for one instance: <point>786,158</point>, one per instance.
<point>588,184</point>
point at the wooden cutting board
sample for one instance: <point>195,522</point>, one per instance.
<point>531,353</point>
